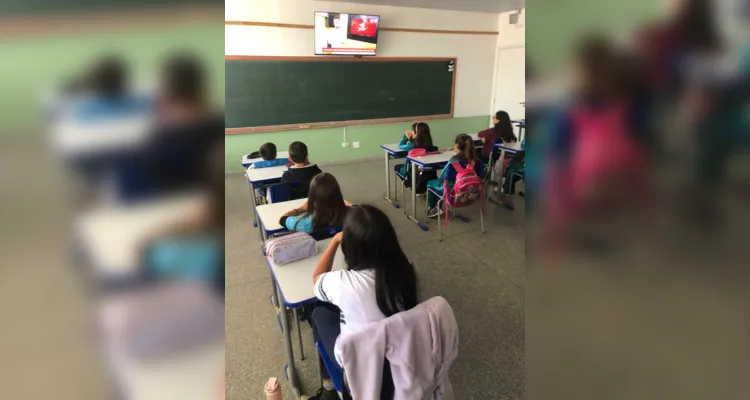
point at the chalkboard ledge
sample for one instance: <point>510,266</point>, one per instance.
<point>336,124</point>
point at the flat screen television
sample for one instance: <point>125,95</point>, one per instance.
<point>346,34</point>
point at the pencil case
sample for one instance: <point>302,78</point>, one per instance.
<point>290,248</point>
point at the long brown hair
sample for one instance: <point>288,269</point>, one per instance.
<point>465,147</point>
<point>325,202</point>
<point>423,139</point>
<point>504,127</point>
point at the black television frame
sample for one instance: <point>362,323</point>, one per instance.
<point>349,35</point>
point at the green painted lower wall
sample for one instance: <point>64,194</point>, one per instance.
<point>33,65</point>
<point>324,145</point>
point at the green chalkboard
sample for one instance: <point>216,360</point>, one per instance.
<point>262,92</point>
<point>26,7</point>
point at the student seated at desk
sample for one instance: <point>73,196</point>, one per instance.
<point>268,153</point>
<point>187,130</point>
<point>502,131</point>
<point>300,172</point>
<point>466,157</point>
<point>379,282</point>
<point>407,141</point>
<point>325,207</point>
<point>420,144</point>
<point>104,94</point>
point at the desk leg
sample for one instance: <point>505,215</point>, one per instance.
<point>413,215</point>
<point>388,181</point>
<point>255,211</point>
<point>291,371</point>
<point>501,161</point>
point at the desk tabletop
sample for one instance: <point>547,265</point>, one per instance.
<point>112,236</point>
<point>75,138</point>
<point>269,214</point>
<point>512,147</point>
<point>246,160</point>
<point>393,149</point>
<point>295,279</point>
<point>260,175</point>
<point>433,159</point>
<point>195,375</point>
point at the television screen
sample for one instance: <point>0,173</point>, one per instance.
<point>346,34</point>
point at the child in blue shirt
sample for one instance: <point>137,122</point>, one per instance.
<point>421,138</point>
<point>466,154</point>
<point>268,153</point>
<point>325,207</point>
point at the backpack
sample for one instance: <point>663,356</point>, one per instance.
<point>466,190</point>
<point>603,148</point>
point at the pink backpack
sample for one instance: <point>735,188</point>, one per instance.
<point>466,190</point>
<point>603,147</point>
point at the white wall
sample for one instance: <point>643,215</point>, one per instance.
<point>475,53</point>
<point>509,79</point>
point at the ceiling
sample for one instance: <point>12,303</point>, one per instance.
<point>491,6</point>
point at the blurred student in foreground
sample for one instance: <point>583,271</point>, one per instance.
<point>188,128</point>
<point>597,164</point>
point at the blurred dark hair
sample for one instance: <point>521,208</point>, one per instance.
<point>184,79</point>
<point>298,152</point>
<point>370,242</point>
<point>109,77</point>
<point>603,74</point>
<point>325,202</point>
<point>696,25</point>
<point>268,151</point>
<point>465,147</point>
<point>504,128</point>
<point>423,138</point>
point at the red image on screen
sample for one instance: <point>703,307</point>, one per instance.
<point>364,27</point>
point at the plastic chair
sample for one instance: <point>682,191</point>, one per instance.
<point>449,203</point>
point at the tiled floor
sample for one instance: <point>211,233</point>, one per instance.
<point>481,276</point>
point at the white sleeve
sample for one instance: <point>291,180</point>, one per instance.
<point>328,286</point>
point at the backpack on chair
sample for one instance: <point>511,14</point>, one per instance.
<point>466,190</point>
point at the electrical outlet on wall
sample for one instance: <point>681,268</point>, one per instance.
<point>344,144</point>
<point>355,145</point>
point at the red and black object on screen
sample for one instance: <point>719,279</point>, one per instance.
<point>364,26</point>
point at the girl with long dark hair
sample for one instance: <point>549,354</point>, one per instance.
<point>325,206</point>
<point>379,280</point>
<point>502,130</point>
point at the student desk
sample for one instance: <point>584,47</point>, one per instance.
<point>270,214</point>
<point>268,220</point>
<point>72,138</point>
<point>195,375</point>
<point>391,151</point>
<point>435,160</point>
<point>259,178</point>
<point>296,288</point>
<point>111,237</point>
<point>247,161</point>
<point>514,147</point>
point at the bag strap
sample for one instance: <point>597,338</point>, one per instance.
<point>457,166</point>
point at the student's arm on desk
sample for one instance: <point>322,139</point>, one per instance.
<point>326,260</point>
<point>295,211</point>
<point>348,204</point>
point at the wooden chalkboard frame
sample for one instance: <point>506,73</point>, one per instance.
<point>335,124</point>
